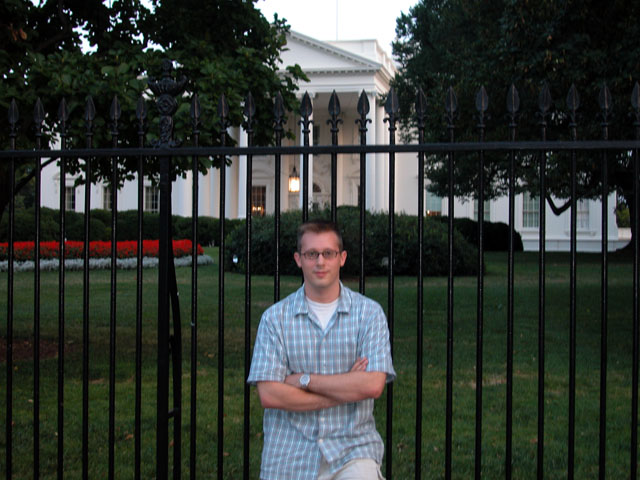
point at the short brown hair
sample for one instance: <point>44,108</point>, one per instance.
<point>319,226</point>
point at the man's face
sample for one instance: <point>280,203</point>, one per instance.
<point>322,275</point>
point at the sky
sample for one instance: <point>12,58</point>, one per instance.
<point>340,19</point>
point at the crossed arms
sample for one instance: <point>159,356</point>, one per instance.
<point>324,391</point>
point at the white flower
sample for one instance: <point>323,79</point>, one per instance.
<point>100,263</point>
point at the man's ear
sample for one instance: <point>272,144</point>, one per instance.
<point>298,259</point>
<point>343,257</point>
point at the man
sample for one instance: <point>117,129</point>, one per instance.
<point>320,359</point>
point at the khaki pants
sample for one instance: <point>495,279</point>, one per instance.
<point>357,469</point>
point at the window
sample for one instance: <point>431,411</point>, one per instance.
<point>582,215</point>
<point>106,198</point>
<point>530,211</point>
<point>70,198</point>
<point>487,212</point>
<point>434,205</point>
<point>151,199</point>
<point>258,200</point>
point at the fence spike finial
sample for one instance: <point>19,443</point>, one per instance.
<point>421,106</point>
<point>13,115</point>
<point>573,99</point>
<point>513,101</point>
<point>63,115</point>
<point>392,105</point>
<point>334,111</point>
<point>635,103</point>
<point>334,104</point>
<point>141,109</point>
<point>278,112</point>
<point>363,104</point>
<point>89,114</point>
<point>195,111</point>
<point>635,97</point>
<point>451,107</point>
<point>223,112</point>
<point>115,112</point>
<point>38,113</point>
<point>249,109</point>
<point>363,109</point>
<point>544,99</point>
<point>482,101</point>
<point>306,108</point>
<point>605,101</point>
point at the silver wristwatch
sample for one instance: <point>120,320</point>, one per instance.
<point>304,381</point>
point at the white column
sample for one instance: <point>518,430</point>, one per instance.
<point>382,173</point>
<point>242,177</point>
<point>231,182</point>
<point>302,184</point>
<point>372,129</point>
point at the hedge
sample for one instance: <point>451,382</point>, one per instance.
<point>100,226</point>
<point>496,234</point>
<point>376,251</point>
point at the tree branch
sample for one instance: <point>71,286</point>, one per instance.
<point>27,178</point>
<point>557,210</point>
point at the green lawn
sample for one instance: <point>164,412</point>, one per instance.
<point>434,362</point>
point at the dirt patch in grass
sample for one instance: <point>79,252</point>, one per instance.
<point>23,349</point>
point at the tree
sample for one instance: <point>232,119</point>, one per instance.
<point>469,44</point>
<point>222,47</point>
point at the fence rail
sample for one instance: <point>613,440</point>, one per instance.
<point>169,336</point>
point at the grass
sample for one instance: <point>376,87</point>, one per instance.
<point>402,446</point>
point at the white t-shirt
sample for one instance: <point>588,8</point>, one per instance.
<point>323,311</point>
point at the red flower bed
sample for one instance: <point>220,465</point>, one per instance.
<point>73,249</point>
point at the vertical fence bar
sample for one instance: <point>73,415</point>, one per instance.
<point>334,121</point>
<point>421,110</point>
<point>13,120</point>
<point>278,115</point>
<point>544,104</point>
<point>482,103</point>
<point>141,115</point>
<point>605,106</point>
<point>249,112</point>
<point>223,113</point>
<point>195,122</point>
<point>162,432</point>
<point>513,104</point>
<point>176,359</point>
<point>633,456</point>
<point>451,107</point>
<point>165,89</point>
<point>391,107</point>
<point>89,116</point>
<point>38,117</point>
<point>62,117</point>
<point>306,110</point>
<point>572,103</point>
<point>363,110</point>
<point>115,116</point>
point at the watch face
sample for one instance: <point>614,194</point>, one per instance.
<point>304,380</point>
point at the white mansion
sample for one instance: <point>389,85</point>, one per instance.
<point>348,67</point>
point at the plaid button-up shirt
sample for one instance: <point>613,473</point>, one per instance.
<point>290,340</point>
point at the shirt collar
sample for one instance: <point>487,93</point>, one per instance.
<point>301,307</point>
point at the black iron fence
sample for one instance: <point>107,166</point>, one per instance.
<point>170,407</point>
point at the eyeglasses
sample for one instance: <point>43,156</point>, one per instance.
<point>326,254</point>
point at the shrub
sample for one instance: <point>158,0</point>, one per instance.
<point>100,226</point>
<point>376,255</point>
<point>496,234</point>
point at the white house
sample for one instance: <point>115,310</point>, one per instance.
<point>348,67</point>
